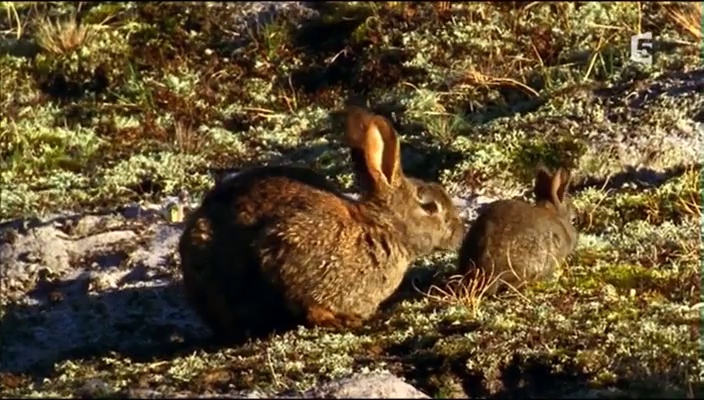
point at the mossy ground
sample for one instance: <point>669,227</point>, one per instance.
<point>148,100</point>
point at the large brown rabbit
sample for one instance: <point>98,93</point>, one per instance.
<point>514,241</point>
<point>280,245</point>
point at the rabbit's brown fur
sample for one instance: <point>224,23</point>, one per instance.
<point>281,244</point>
<point>512,237</point>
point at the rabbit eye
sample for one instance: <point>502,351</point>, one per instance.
<point>426,201</point>
<point>430,207</point>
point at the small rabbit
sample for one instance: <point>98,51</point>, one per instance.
<point>279,245</point>
<point>514,241</point>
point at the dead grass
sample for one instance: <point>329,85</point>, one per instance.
<point>13,15</point>
<point>478,78</point>
<point>603,195</point>
<point>688,17</point>
<point>691,201</point>
<point>62,37</point>
<point>470,289</point>
<point>186,139</point>
<point>439,5</point>
<point>464,291</point>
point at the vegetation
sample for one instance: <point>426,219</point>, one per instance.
<point>109,103</point>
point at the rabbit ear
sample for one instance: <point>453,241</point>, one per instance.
<point>382,150</point>
<point>375,150</point>
<point>551,187</point>
<point>560,183</point>
<point>543,184</point>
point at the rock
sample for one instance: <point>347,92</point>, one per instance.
<point>369,385</point>
<point>43,245</point>
<point>49,249</point>
<point>94,388</point>
<point>101,241</point>
<point>87,225</point>
<point>163,245</point>
<point>42,248</point>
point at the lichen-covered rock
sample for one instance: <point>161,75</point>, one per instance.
<point>377,385</point>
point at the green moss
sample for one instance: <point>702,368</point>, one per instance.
<point>673,201</point>
<point>626,276</point>
<point>333,13</point>
<point>551,152</point>
<point>103,13</point>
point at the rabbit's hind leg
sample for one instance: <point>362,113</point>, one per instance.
<point>350,321</point>
<point>320,316</point>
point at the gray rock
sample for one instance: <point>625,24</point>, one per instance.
<point>162,245</point>
<point>94,388</point>
<point>368,385</point>
<point>43,245</point>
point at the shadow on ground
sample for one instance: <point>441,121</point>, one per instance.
<point>640,178</point>
<point>114,289</point>
<point>452,375</point>
<point>71,325</point>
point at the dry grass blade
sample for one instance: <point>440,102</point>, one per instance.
<point>12,14</point>
<point>691,203</point>
<point>604,194</point>
<point>478,78</point>
<point>688,16</point>
<point>689,250</point>
<point>62,37</point>
<point>467,291</point>
<point>597,53</point>
<point>186,138</point>
<point>442,5</point>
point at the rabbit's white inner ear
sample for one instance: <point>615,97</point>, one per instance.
<point>555,187</point>
<point>390,156</point>
<point>565,177</point>
<point>374,152</point>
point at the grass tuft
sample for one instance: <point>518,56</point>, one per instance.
<point>63,37</point>
<point>688,17</point>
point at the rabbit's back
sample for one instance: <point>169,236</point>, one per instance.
<point>260,193</point>
<point>512,236</point>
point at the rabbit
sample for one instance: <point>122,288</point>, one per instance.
<point>281,245</point>
<point>531,239</point>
